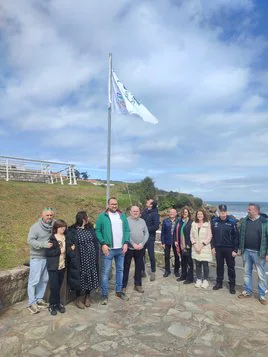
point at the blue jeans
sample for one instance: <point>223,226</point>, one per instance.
<point>37,282</point>
<point>250,258</point>
<point>107,261</point>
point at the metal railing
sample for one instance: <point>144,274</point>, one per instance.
<point>21,169</point>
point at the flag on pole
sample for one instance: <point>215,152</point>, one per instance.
<point>123,102</point>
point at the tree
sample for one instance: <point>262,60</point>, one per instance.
<point>84,175</point>
<point>146,189</point>
<point>77,174</point>
<point>198,202</point>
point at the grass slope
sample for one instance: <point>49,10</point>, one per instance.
<point>22,202</point>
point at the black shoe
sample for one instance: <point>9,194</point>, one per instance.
<point>177,274</point>
<point>188,282</point>
<point>181,278</point>
<point>166,274</point>
<point>52,309</point>
<point>232,290</point>
<point>60,308</point>
<point>217,286</point>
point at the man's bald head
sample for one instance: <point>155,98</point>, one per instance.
<point>135,212</point>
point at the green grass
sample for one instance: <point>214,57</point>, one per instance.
<point>22,202</point>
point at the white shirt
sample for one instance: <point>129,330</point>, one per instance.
<point>117,229</point>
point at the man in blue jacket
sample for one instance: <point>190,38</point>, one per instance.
<point>168,241</point>
<point>151,217</point>
<point>225,244</point>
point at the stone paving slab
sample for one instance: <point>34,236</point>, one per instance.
<point>170,319</point>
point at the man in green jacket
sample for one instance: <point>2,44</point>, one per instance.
<point>112,231</point>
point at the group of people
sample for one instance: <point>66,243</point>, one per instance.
<point>197,241</point>
<point>84,251</point>
<point>56,248</point>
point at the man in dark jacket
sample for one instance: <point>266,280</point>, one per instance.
<point>168,241</point>
<point>224,243</point>
<point>151,217</point>
<point>254,248</point>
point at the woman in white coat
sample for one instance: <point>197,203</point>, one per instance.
<point>201,248</point>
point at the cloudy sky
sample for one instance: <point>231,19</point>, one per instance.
<point>199,66</point>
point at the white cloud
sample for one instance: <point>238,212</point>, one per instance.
<point>192,63</point>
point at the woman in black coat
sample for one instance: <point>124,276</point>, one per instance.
<point>56,262</point>
<point>82,255</point>
<point>184,244</point>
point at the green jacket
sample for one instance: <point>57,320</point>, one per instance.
<point>104,229</point>
<point>264,236</point>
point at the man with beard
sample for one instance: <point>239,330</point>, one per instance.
<point>151,217</point>
<point>112,232</point>
<point>38,240</point>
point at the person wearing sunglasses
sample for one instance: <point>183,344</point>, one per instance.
<point>38,240</point>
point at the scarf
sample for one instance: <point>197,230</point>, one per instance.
<point>182,240</point>
<point>46,226</point>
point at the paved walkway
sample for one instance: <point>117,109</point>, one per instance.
<point>170,319</point>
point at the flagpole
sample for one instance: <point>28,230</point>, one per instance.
<point>109,129</point>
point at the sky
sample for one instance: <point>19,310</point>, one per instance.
<point>201,68</point>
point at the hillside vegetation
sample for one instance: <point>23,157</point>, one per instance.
<point>22,203</point>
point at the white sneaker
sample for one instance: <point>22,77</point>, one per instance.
<point>205,284</point>
<point>33,309</point>
<point>42,304</point>
<point>198,283</point>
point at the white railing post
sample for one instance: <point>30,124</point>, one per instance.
<point>61,180</point>
<point>74,177</point>
<point>70,175</point>
<point>7,176</point>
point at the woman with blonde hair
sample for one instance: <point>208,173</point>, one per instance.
<point>201,248</point>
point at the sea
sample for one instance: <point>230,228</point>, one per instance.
<point>239,209</point>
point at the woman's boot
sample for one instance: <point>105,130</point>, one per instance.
<point>87,300</point>
<point>79,303</point>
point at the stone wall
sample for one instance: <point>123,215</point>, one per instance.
<point>13,285</point>
<point>13,282</point>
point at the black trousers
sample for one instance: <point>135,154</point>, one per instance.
<point>167,258</point>
<point>199,266</point>
<point>138,258</point>
<point>225,254</point>
<point>55,282</point>
<point>187,267</point>
<point>150,247</point>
